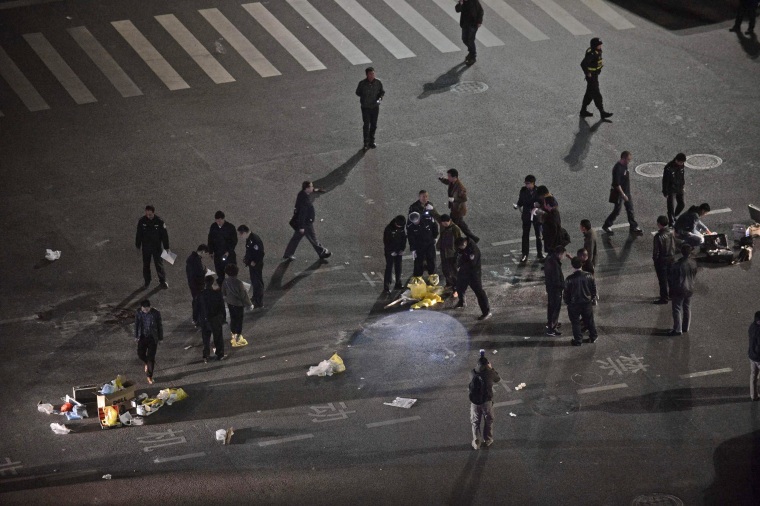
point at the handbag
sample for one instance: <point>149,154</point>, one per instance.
<point>614,196</point>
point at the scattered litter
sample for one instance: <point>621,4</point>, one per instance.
<point>52,255</point>
<point>520,386</point>
<point>526,337</point>
<point>367,256</point>
<point>45,408</point>
<point>495,352</point>
<point>401,402</point>
<point>372,273</point>
<point>512,414</point>
<point>263,356</point>
<point>209,272</point>
<point>107,476</point>
<point>137,420</point>
<point>59,428</point>
<point>346,263</point>
<point>188,347</point>
<point>169,256</point>
<point>225,435</point>
<point>361,378</point>
<point>69,18</point>
<point>421,293</point>
<point>327,367</point>
<point>172,395</point>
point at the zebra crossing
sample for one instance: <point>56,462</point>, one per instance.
<point>500,14</point>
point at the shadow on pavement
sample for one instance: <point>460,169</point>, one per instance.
<point>465,488</point>
<point>443,82</point>
<point>339,175</point>
<point>581,143</point>
<point>681,14</point>
<point>749,44</point>
<point>737,467</point>
<point>677,399</point>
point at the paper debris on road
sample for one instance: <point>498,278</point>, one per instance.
<point>52,255</point>
<point>401,402</point>
<point>512,414</point>
<point>59,428</point>
<point>45,408</point>
<point>107,476</point>
<point>520,386</point>
<point>169,256</point>
<point>327,367</point>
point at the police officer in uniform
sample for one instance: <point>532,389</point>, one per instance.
<point>469,274</point>
<point>222,239</point>
<point>151,237</point>
<point>422,235</point>
<point>525,202</point>
<point>254,259</point>
<point>592,66</point>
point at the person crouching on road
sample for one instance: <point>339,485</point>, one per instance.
<point>148,332</point>
<point>237,299</point>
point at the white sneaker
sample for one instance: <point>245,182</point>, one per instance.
<point>488,443</point>
<point>475,444</point>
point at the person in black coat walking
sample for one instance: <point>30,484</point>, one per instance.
<point>211,316</point>
<point>422,235</point>
<point>469,274</point>
<point>302,223</point>
<point>681,280</point>
<point>747,9</point>
<point>673,186</point>
<point>149,331</point>
<point>196,275</point>
<point>555,283</point>
<point>222,239</point>
<point>394,244</point>
<point>470,19</point>
<point>151,237</point>
<point>526,202</point>
<point>254,260</point>
<point>754,356</point>
<point>370,92</point>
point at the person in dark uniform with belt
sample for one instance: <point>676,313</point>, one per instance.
<point>526,203</point>
<point>254,260</point>
<point>423,206</point>
<point>196,276</point>
<point>592,66</point>
<point>673,182</point>
<point>222,239</point>
<point>469,273</point>
<point>422,235</point>
<point>302,223</point>
<point>394,244</point>
<point>370,92</point>
<point>663,255</point>
<point>153,238</point>
<point>580,292</point>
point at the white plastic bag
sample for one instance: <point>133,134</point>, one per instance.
<point>59,428</point>
<point>45,408</point>
<point>52,255</point>
<point>325,368</point>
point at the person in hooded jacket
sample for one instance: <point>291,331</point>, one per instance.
<point>754,356</point>
<point>422,235</point>
<point>394,244</point>
<point>673,186</point>
<point>482,410</point>
<point>681,281</point>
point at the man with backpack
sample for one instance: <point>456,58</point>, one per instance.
<point>481,399</point>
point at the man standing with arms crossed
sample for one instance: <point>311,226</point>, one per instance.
<point>621,195</point>
<point>370,92</point>
<point>592,66</point>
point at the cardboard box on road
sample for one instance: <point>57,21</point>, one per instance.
<point>125,394</point>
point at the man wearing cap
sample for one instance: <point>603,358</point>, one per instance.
<point>422,235</point>
<point>222,239</point>
<point>370,92</point>
<point>592,66</point>
<point>481,401</point>
<point>673,182</point>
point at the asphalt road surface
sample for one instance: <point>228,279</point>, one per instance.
<point>196,106</point>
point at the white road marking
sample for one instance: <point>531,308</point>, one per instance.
<point>507,403</point>
<point>504,384</point>
<point>105,62</point>
<point>375,28</point>
<point>329,32</point>
<point>60,69</point>
<point>515,19</point>
<point>19,320</point>
<point>20,84</point>
<point>285,439</point>
<point>239,43</point>
<point>392,422</point>
<point>608,14</point>
<point>321,270</point>
<point>369,280</point>
<point>484,35</point>
<point>562,17</point>
<point>24,3</point>
<point>602,388</point>
<point>195,49</point>
<point>284,36</point>
<point>150,55</point>
<point>720,211</point>
<point>423,26</point>
<point>159,460</point>
<point>706,373</point>
<point>504,243</point>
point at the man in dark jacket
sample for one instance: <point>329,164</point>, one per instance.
<point>196,274</point>
<point>592,66</point>
<point>469,274</point>
<point>551,226</point>
<point>423,206</point>
<point>370,92</point>
<point>483,376</point>
<point>302,223</point>
<point>148,332</point>
<point>689,227</point>
<point>555,283</point>
<point>747,9</point>
<point>621,195</point>
<point>222,239</point>
<point>580,292</point>
<point>672,186</point>
<point>153,238</point>
<point>422,235</point>
<point>450,234</point>
<point>394,244</point>
<point>663,255</point>
<point>211,316</point>
<point>754,356</point>
<point>457,201</point>
<point>470,19</point>
<point>681,280</point>
<point>526,203</point>
<point>589,244</point>
<point>254,260</point>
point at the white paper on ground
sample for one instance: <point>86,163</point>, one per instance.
<point>52,255</point>
<point>59,428</point>
<point>169,256</point>
<point>401,402</point>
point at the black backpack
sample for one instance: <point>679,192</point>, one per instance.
<point>478,389</point>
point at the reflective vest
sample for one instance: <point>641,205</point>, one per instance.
<point>592,63</point>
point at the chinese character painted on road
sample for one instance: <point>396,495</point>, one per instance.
<point>9,467</point>
<point>167,438</point>
<point>623,364</point>
<point>329,412</point>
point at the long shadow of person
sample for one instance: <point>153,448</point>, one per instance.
<point>276,289</point>
<point>581,143</point>
<point>749,44</point>
<point>443,82</point>
<point>338,175</point>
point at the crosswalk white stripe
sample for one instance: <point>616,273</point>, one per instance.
<point>562,17</point>
<point>20,84</point>
<point>329,32</point>
<point>195,49</point>
<point>60,69</point>
<point>515,19</point>
<point>608,14</point>
<point>239,43</point>
<point>484,35</point>
<point>423,26</point>
<point>150,55</point>
<point>107,65</point>
<point>284,36</point>
<point>375,28</point>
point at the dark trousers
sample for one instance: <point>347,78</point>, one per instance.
<point>681,312</point>
<point>672,213</point>
<point>585,312</point>
<point>392,263</point>
<point>369,119</point>
<point>472,279</point>
<point>616,212</point>
<point>425,258</point>
<point>310,235</point>
<point>554,304</point>
<point>146,351</point>
<point>213,327</point>
<point>257,283</point>
<point>236,318</point>
<point>157,260</point>
<point>526,237</point>
<point>458,220</point>
<point>220,264</point>
<point>449,268</point>
<point>194,294</point>
<point>661,269</point>
<point>748,10</point>
<point>593,94</point>
<point>468,37</point>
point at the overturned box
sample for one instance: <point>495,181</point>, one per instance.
<point>125,394</point>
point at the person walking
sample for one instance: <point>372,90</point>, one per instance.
<point>196,275</point>
<point>592,64</point>
<point>237,299</point>
<point>747,9</point>
<point>555,283</point>
<point>673,186</point>
<point>394,245</point>
<point>302,223</point>
<point>152,237</point>
<point>422,235</point>
<point>211,316</point>
<point>149,331</point>
<point>579,295</point>
<point>222,239</point>
<point>469,274</point>
<point>483,377</point>
<point>370,92</point>
<point>589,244</point>
<point>681,278</point>
<point>620,195</point>
<point>663,255</point>
<point>254,260</point>
<point>450,234</point>
<point>470,19</point>
<point>457,201</point>
<point>689,227</point>
<point>526,203</point>
<point>754,356</point>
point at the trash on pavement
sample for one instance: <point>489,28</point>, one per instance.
<point>45,408</point>
<point>520,386</point>
<point>107,476</point>
<point>169,256</point>
<point>327,367</point>
<point>52,255</point>
<point>512,414</point>
<point>401,402</point>
<point>422,293</point>
<point>59,428</point>
<point>225,435</point>
<point>172,395</point>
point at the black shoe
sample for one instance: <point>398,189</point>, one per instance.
<point>607,230</point>
<point>372,145</point>
<point>288,259</point>
<point>605,115</point>
<point>219,359</point>
<point>592,340</point>
<point>164,285</point>
<point>146,285</point>
<point>552,332</point>
<point>485,316</point>
<point>523,259</point>
<point>398,286</point>
<point>674,333</point>
<point>461,304</point>
<point>575,343</point>
<point>471,61</point>
<point>660,301</point>
<point>475,238</point>
<point>205,360</point>
<point>735,28</point>
<point>636,231</point>
<point>586,114</point>
<point>540,258</point>
<point>325,255</point>
<point>365,147</point>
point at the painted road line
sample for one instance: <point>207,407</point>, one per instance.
<point>19,320</point>
<point>239,43</point>
<point>105,62</point>
<point>24,3</point>
<point>375,28</point>
<point>392,422</point>
<point>602,388</point>
<point>484,35</point>
<point>503,243</point>
<point>706,373</point>
<point>284,36</point>
<point>195,49</point>
<point>608,14</point>
<point>720,211</point>
<point>159,460</point>
<point>60,69</point>
<point>423,26</point>
<point>320,270</point>
<point>517,21</point>
<point>507,403</point>
<point>150,55</point>
<point>369,280</point>
<point>562,17</point>
<point>329,32</point>
<point>285,439</point>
